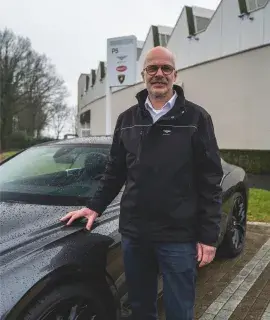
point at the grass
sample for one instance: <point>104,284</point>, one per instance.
<point>6,155</point>
<point>259,205</point>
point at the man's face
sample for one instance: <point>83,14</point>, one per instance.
<point>159,75</point>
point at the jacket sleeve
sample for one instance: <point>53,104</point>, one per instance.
<point>114,176</point>
<point>209,174</point>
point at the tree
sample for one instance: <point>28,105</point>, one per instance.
<point>74,120</point>
<point>29,87</point>
<point>60,118</point>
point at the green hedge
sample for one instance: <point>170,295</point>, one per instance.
<point>19,140</point>
<point>253,161</point>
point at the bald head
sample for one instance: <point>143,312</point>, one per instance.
<point>159,74</point>
<point>159,53</point>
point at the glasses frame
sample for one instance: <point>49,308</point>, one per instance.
<point>159,67</point>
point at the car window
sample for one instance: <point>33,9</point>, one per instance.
<point>64,170</point>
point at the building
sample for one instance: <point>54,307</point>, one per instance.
<point>223,62</point>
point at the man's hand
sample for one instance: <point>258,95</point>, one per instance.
<point>205,254</point>
<point>89,214</point>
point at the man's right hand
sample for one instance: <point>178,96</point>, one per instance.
<point>89,214</point>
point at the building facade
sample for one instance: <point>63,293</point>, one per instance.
<point>223,63</point>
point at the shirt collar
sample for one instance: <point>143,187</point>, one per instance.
<point>168,105</point>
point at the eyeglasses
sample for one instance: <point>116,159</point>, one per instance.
<point>153,69</point>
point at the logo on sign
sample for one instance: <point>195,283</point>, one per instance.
<point>121,68</point>
<point>121,78</point>
<point>121,57</point>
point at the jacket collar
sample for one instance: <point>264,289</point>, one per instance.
<point>179,103</point>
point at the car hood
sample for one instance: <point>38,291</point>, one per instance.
<point>27,227</point>
<point>34,243</point>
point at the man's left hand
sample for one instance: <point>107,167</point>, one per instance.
<point>205,254</point>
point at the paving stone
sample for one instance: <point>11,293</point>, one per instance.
<point>253,316</point>
<point>225,295</point>
<point>218,285</point>
<point>231,304</point>
<point>199,310</point>
<point>239,294</point>
<point>215,307</point>
<point>268,307</point>
<point>255,300</point>
<point>266,316</point>
<point>207,316</point>
<point>234,302</point>
<point>223,315</point>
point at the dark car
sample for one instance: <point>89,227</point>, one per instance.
<point>51,271</point>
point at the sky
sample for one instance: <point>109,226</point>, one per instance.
<point>73,34</point>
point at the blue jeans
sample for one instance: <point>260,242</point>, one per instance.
<point>177,264</point>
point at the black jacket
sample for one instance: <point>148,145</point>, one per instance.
<point>171,170</point>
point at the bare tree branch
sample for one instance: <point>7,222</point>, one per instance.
<point>61,115</point>
<point>29,86</point>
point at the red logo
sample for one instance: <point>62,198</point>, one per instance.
<point>121,68</point>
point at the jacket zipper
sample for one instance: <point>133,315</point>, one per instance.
<point>139,147</point>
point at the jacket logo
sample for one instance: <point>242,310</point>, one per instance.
<point>166,132</point>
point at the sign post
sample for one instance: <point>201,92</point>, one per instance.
<point>121,69</point>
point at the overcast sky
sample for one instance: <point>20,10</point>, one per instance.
<point>73,33</point>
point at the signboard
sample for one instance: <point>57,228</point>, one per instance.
<point>121,61</point>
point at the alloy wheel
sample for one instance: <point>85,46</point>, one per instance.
<point>238,226</point>
<point>72,309</point>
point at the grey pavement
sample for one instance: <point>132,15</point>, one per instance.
<point>234,289</point>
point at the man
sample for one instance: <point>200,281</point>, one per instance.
<point>165,152</point>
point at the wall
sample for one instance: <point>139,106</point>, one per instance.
<point>93,92</point>
<point>226,33</point>
<point>233,89</point>
<point>147,46</point>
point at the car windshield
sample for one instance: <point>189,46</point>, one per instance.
<point>46,173</point>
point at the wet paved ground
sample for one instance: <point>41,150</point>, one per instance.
<point>238,288</point>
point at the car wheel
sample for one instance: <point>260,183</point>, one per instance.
<point>68,302</point>
<point>234,239</point>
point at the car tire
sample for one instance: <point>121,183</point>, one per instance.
<point>234,239</point>
<point>69,301</point>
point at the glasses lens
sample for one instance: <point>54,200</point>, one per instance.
<point>152,69</point>
<point>166,69</point>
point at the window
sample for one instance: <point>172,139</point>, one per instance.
<point>163,39</point>
<point>57,172</point>
<point>85,132</point>
<point>139,51</point>
<point>85,117</point>
<point>255,4</point>
<point>261,3</point>
<point>201,23</point>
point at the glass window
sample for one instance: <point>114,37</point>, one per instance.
<point>163,39</point>
<point>261,3</point>
<point>60,170</point>
<point>139,51</point>
<point>251,4</point>
<point>255,4</point>
<point>201,23</point>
